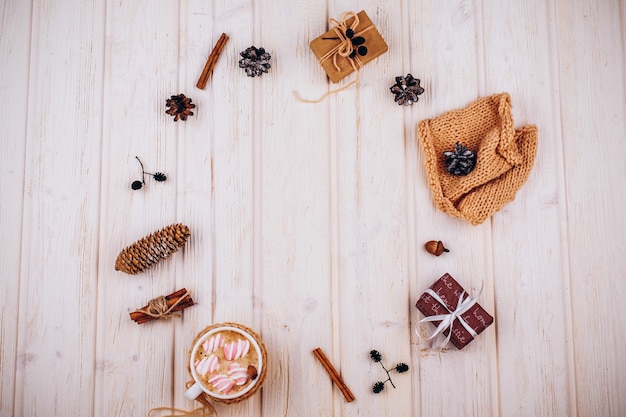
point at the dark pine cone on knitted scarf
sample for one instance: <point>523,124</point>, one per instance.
<point>460,161</point>
<point>146,252</point>
<point>255,61</point>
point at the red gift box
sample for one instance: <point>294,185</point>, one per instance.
<point>446,299</point>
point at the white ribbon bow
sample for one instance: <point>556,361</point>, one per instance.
<point>447,320</point>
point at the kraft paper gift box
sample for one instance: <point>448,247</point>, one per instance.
<point>340,51</point>
<point>448,290</point>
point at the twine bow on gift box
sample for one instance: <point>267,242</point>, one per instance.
<point>447,320</point>
<point>348,40</point>
<point>350,46</point>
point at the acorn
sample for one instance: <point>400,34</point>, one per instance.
<point>252,372</point>
<point>435,247</point>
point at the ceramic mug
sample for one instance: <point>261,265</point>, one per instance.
<point>228,332</point>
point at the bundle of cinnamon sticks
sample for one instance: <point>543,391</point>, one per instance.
<point>170,304</point>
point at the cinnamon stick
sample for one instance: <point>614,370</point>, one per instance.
<point>211,61</point>
<point>177,301</point>
<point>334,375</point>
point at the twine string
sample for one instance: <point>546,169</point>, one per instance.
<point>158,308</point>
<point>343,49</point>
<point>206,410</point>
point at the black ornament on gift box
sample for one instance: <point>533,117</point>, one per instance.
<point>357,42</point>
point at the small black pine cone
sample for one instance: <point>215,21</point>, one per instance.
<point>378,387</point>
<point>255,61</point>
<point>179,107</point>
<point>460,161</point>
<point>159,176</point>
<point>406,89</point>
<point>375,355</point>
<point>402,367</point>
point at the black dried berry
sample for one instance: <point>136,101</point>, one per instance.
<point>136,185</point>
<point>402,367</point>
<point>362,50</point>
<point>378,387</point>
<point>349,33</point>
<point>159,176</point>
<point>375,355</point>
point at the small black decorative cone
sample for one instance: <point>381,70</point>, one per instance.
<point>460,161</point>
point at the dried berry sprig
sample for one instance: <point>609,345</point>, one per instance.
<point>400,368</point>
<point>158,176</point>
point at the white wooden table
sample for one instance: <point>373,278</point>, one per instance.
<point>307,220</point>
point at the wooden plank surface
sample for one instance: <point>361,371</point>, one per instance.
<point>216,172</point>
<point>307,220</point>
<point>59,247</point>
<point>447,56</point>
<point>141,71</point>
<point>15,46</point>
<point>528,273</point>
<point>293,188</point>
<point>594,128</point>
<point>371,226</point>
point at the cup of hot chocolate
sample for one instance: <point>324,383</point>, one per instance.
<point>227,363</point>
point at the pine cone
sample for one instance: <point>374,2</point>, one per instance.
<point>146,252</point>
<point>179,107</point>
<point>460,161</point>
<point>378,387</point>
<point>406,89</point>
<point>255,61</point>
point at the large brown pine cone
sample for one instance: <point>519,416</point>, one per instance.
<point>146,252</point>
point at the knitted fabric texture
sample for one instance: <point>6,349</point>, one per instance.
<point>505,157</point>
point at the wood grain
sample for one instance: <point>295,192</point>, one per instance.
<point>449,59</point>
<point>371,219</point>
<point>59,253</point>
<point>593,130</point>
<point>292,148</point>
<point>307,220</point>
<point>527,276</point>
<point>136,125</point>
<point>14,43</point>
